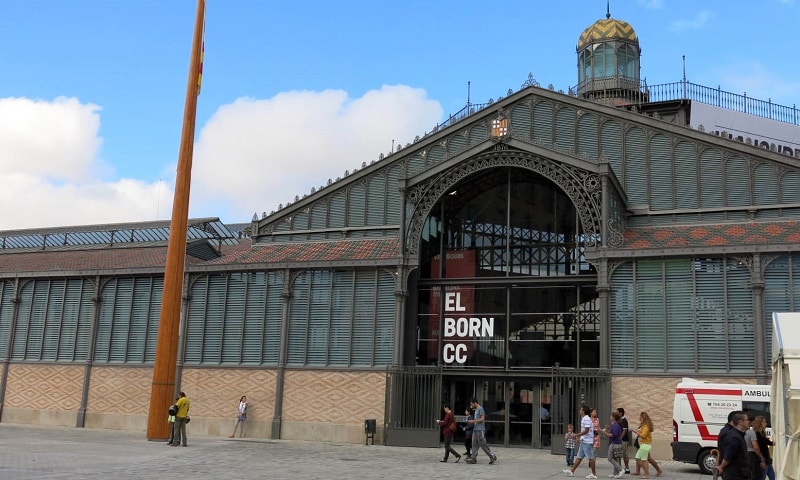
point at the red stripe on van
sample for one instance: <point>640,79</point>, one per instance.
<point>702,428</point>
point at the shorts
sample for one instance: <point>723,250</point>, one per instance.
<point>585,450</point>
<point>625,447</point>
<point>643,452</point>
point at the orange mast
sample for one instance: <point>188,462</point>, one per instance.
<point>161,395</point>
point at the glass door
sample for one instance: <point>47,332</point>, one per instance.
<point>517,411</point>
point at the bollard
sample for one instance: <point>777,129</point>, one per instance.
<point>369,430</point>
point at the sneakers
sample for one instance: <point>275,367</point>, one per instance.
<point>619,475</point>
<point>627,471</point>
<point>612,475</point>
<point>471,461</point>
<point>494,459</point>
<point>591,475</point>
<point>568,472</point>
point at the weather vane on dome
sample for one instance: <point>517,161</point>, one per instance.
<point>608,9</point>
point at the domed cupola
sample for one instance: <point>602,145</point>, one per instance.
<point>608,62</point>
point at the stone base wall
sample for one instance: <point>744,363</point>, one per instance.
<point>119,398</point>
<point>317,405</point>
<point>332,406</point>
<point>43,394</point>
<point>322,405</point>
<point>214,394</point>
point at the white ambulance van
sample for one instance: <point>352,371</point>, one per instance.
<point>701,409</point>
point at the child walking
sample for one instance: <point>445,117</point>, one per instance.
<point>569,444</point>
<point>468,427</point>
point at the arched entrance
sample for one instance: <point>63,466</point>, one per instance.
<point>505,296</point>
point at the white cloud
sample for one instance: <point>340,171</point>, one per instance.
<point>38,203</point>
<point>56,139</point>
<point>253,154</point>
<point>698,22</point>
<point>759,82</point>
<point>51,173</point>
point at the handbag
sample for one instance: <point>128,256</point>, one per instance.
<point>617,451</point>
<point>452,426</point>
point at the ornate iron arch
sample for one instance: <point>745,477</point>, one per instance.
<point>581,186</point>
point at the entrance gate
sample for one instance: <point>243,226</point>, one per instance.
<point>573,388</point>
<point>413,402</point>
<point>414,398</point>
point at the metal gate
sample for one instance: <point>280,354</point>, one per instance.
<point>573,388</point>
<point>413,396</point>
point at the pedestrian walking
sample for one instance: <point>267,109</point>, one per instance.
<point>468,427</point>
<point>643,457</point>
<point>569,444</point>
<point>767,470</point>
<point>614,434</point>
<point>449,427</point>
<point>734,464</point>
<point>479,434</point>
<point>626,439</point>
<point>586,444</point>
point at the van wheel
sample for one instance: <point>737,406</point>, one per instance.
<point>706,461</point>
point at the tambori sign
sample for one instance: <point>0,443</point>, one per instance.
<point>461,327</point>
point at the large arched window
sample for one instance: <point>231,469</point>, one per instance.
<point>516,222</point>
<point>503,280</point>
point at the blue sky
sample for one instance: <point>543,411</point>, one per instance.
<point>294,93</point>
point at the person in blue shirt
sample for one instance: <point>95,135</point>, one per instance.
<point>479,433</point>
<point>614,434</point>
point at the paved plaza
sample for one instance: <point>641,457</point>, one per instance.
<point>32,452</point>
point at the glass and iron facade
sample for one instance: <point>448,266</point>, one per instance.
<point>539,253</point>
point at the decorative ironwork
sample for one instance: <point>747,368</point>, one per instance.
<point>581,186</point>
<point>616,220</point>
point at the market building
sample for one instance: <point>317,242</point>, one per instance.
<point>541,251</point>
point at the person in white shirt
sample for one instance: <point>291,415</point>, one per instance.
<point>586,446</point>
<point>241,417</point>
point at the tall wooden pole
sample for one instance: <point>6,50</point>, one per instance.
<point>161,395</point>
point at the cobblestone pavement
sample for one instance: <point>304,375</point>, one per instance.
<point>32,452</point>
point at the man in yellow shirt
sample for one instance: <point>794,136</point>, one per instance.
<point>180,420</point>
